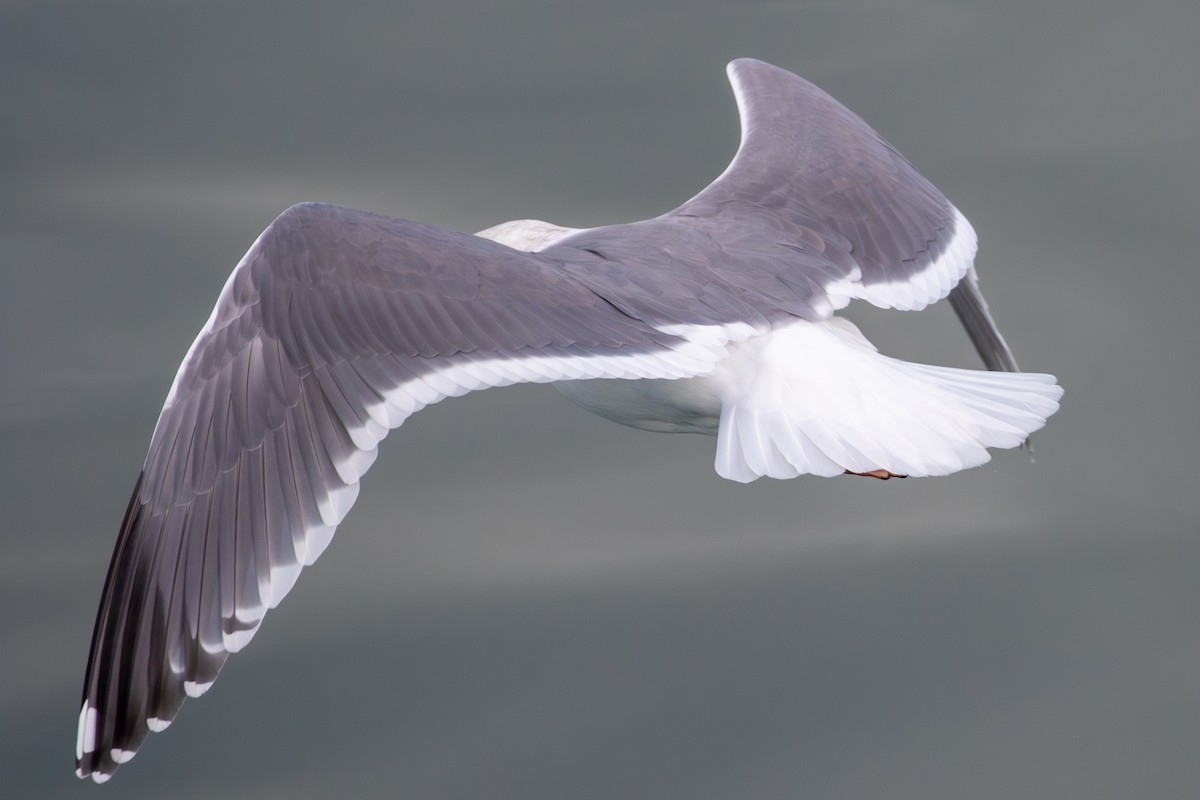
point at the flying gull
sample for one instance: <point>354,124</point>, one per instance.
<point>716,318</point>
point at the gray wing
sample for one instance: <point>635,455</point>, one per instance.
<point>816,209</point>
<point>972,311</point>
<point>335,327</point>
<point>817,198</point>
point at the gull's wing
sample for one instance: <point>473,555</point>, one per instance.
<point>815,209</point>
<point>972,310</point>
<point>817,196</point>
<point>335,327</point>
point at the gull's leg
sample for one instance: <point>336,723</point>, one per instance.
<point>881,474</point>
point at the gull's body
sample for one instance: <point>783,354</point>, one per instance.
<point>716,318</point>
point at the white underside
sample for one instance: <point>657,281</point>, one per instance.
<point>817,398</point>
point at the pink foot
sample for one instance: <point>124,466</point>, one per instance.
<point>881,474</point>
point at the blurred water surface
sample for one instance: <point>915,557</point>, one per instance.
<point>531,602</point>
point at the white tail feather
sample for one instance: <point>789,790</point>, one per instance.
<point>816,397</point>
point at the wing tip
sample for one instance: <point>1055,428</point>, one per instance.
<point>88,761</point>
<point>744,63</point>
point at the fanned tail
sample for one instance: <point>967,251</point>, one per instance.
<point>820,399</point>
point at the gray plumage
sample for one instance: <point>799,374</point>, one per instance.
<point>338,324</point>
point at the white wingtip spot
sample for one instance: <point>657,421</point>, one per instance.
<point>85,741</point>
<point>157,725</point>
<point>79,731</point>
<point>101,777</point>
<point>195,689</point>
<point>121,756</point>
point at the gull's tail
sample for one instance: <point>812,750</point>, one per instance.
<point>816,397</point>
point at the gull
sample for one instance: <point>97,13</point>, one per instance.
<point>715,318</point>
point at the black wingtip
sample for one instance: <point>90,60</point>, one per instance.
<point>102,742</point>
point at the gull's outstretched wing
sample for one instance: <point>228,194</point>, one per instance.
<point>817,197</point>
<point>815,209</point>
<point>335,327</point>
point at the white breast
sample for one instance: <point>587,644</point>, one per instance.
<point>686,405</point>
